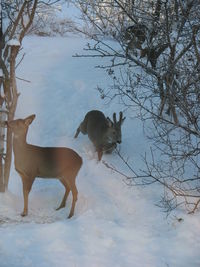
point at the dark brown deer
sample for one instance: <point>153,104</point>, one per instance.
<point>45,162</point>
<point>103,133</point>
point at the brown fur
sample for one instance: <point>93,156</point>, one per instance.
<point>103,133</point>
<point>45,162</point>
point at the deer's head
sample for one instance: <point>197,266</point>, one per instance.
<point>114,132</point>
<point>19,127</point>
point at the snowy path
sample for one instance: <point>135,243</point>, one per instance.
<point>114,225</point>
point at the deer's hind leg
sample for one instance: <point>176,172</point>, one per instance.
<point>74,199</point>
<point>82,128</point>
<point>67,190</point>
<point>77,132</point>
<point>69,182</point>
<point>72,186</point>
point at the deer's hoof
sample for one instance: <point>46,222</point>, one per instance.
<point>60,207</point>
<point>70,215</point>
<point>23,214</point>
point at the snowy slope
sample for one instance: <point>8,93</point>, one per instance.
<point>114,225</point>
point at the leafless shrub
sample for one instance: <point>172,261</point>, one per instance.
<point>155,67</point>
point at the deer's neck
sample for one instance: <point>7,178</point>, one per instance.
<point>19,144</point>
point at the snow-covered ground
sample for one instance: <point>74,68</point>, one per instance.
<point>113,225</point>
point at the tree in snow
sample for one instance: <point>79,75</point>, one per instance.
<point>155,65</point>
<point>16,18</point>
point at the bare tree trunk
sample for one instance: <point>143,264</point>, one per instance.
<point>12,108</point>
<point>19,16</point>
<point>3,115</point>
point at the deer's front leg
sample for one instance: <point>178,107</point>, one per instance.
<point>100,153</point>
<point>27,184</point>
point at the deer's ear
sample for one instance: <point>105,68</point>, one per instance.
<point>29,119</point>
<point>114,118</point>
<point>110,123</point>
<point>123,120</point>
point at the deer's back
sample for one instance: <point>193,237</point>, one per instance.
<point>96,125</point>
<point>49,162</point>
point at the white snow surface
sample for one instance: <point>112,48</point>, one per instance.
<point>114,224</point>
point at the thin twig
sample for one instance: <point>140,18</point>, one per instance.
<point>21,79</point>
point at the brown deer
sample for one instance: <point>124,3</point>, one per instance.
<point>103,133</point>
<point>45,162</point>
